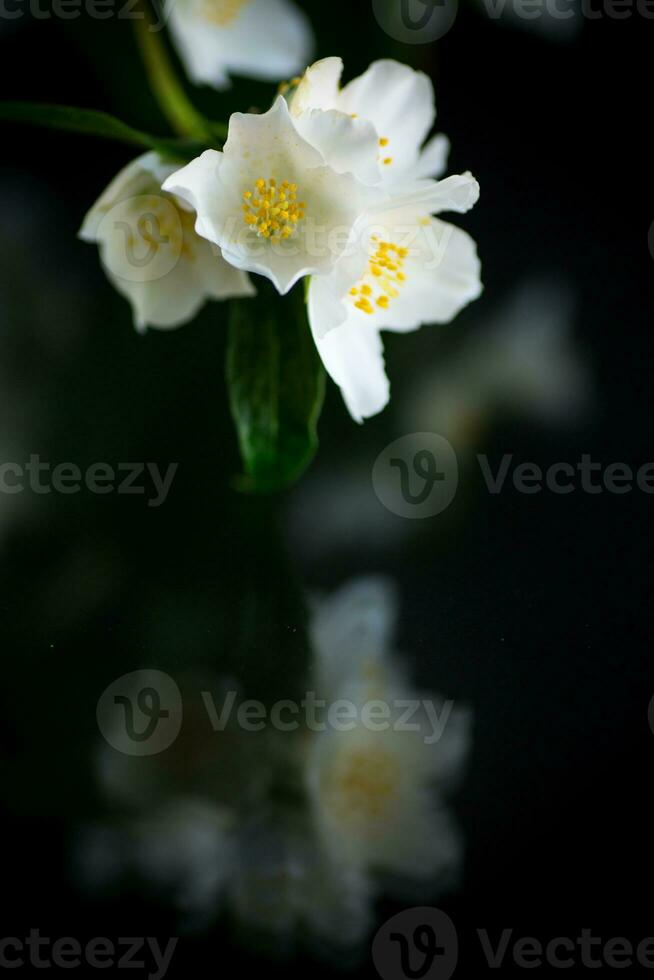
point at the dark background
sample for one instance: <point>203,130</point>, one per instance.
<point>532,609</point>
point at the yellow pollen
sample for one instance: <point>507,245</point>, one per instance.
<point>274,213</point>
<point>384,141</point>
<point>363,787</point>
<point>222,12</point>
<point>285,87</point>
<point>388,161</point>
<point>383,278</point>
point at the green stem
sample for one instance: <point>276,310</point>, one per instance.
<point>92,123</point>
<point>168,90</point>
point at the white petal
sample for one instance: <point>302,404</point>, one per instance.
<point>198,183</point>
<point>266,39</point>
<point>399,102</point>
<point>167,284</point>
<point>132,181</point>
<point>460,192</point>
<point>218,278</point>
<point>319,87</point>
<point>433,158</point>
<point>442,276</point>
<point>175,298</point>
<point>353,356</point>
<point>350,627</point>
<point>347,145</point>
<point>326,305</point>
<point>326,311</point>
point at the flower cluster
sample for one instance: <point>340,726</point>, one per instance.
<point>332,183</point>
<point>296,832</point>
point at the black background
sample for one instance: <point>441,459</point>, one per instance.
<point>534,610</point>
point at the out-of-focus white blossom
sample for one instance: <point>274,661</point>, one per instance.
<point>266,39</point>
<point>378,791</point>
<point>151,252</point>
<point>294,833</point>
<point>523,362</point>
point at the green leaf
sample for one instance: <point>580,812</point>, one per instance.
<point>276,386</point>
<point>96,124</point>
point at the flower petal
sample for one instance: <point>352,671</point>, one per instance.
<point>433,157</point>
<point>459,192</point>
<point>150,252</point>
<point>266,39</point>
<point>319,87</point>
<point>353,355</point>
<point>442,276</point>
<point>347,145</point>
<point>399,102</point>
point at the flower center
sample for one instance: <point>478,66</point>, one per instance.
<point>222,12</point>
<point>383,279</point>
<point>161,223</point>
<point>273,211</point>
<point>365,784</point>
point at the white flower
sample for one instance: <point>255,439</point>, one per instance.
<point>378,789</point>
<point>151,252</point>
<point>407,269</point>
<point>266,39</point>
<point>396,100</point>
<point>269,200</point>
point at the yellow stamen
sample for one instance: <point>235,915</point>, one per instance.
<point>273,210</point>
<point>222,12</point>
<point>383,278</point>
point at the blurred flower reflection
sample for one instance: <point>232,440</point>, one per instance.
<point>523,364</point>
<point>291,832</point>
